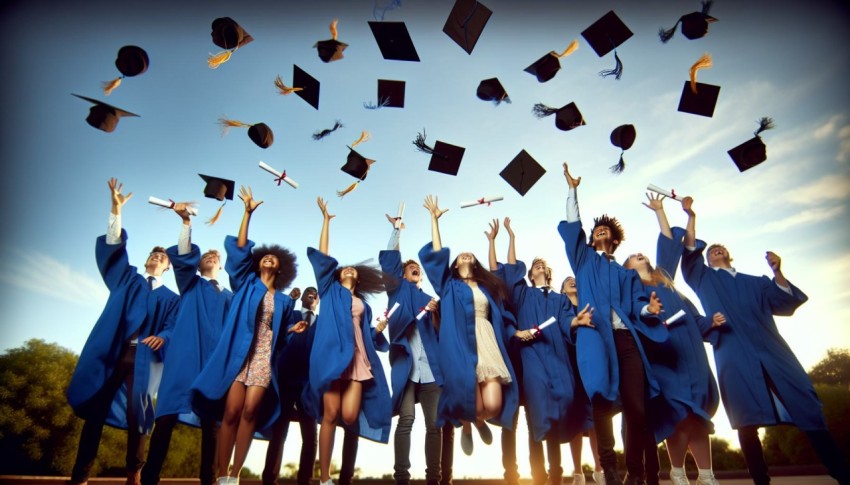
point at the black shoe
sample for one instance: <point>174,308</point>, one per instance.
<point>633,480</point>
<point>611,477</point>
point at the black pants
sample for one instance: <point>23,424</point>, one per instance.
<point>349,457</point>
<point>160,441</point>
<point>535,457</point>
<point>633,397</point>
<point>447,454</point>
<point>93,427</point>
<point>290,402</point>
<point>822,442</point>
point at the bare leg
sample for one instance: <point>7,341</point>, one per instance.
<point>594,447</point>
<point>352,394</point>
<point>227,433</point>
<point>699,443</point>
<point>677,445</point>
<point>247,423</point>
<point>491,399</point>
<point>331,402</point>
<point>575,451</point>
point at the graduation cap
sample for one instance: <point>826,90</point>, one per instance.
<point>522,172</point>
<point>753,151</point>
<point>566,117</point>
<point>466,22</point>
<point>228,35</point>
<point>694,24</point>
<point>623,137</point>
<point>699,98</point>
<point>259,133</point>
<point>309,91</point>
<point>547,66</point>
<point>390,95</point>
<point>604,36</point>
<point>445,158</point>
<point>394,41</point>
<point>357,166</point>
<point>219,189</point>
<point>331,49</point>
<point>492,90</point>
<point>104,116</point>
<point>131,61</point>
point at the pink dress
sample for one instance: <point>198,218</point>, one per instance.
<point>359,369</point>
<point>256,371</point>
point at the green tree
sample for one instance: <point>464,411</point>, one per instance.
<point>834,369</point>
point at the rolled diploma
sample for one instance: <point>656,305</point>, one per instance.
<point>545,324</point>
<point>666,193</point>
<point>397,222</point>
<point>423,312</point>
<point>392,310</point>
<point>277,174</point>
<point>168,205</point>
<point>486,200</point>
<point>679,314</point>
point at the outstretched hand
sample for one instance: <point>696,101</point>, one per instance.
<point>507,224</point>
<point>393,220</point>
<point>494,230</point>
<point>118,199</point>
<point>687,204</point>
<point>248,198</point>
<point>583,319</point>
<point>655,307</point>
<point>654,202</point>
<point>572,182</point>
<point>774,261</point>
<point>323,205</point>
<point>433,207</point>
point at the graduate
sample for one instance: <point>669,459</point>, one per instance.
<point>690,395</point>
<point>123,354</point>
<point>761,381</point>
<point>415,373</point>
<point>346,377</point>
<point>478,380</point>
<point>200,318</point>
<point>610,356</point>
<point>569,289</point>
<point>548,385</point>
<point>239,374</point>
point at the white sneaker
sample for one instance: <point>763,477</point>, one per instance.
<point>329,482</point>
<point>679,479</point>
<point>578,479</point>
<point>707,481</point>
<point>223,481</point>
<point>598,477</point>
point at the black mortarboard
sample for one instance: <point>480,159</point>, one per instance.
<point>492,90</point>
<point>753,151</point>
<point>390,93</point>
<point>694,24</point>
<point>547,66</point>
<point>227,34</point>
<point>308,84</point>
<point>606,34</point>
<point>394,41</point>
<point>466,22</point>
<point>445,158</point>
<point>523,172</point>
<point>356,165</point>
<point>699,98</point>
<point>331,49</point>
<point>132,61</point>
<point>104,116</point>
<point>218,188</point>
<point>261,135</point>
<point>566,117</point>
<point>623,137</point>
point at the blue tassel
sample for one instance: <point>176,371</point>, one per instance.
<point>617,72</point>
<point>381,103</point>
<point>618,167</point>
<point>379,11</point>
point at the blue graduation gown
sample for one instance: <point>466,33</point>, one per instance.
<point>748,347</point>
<point>458,355</point>
<point>607,286</point>
<point>131,307</point>
<point>333,349</point>
<point>679,364</point>
<point>411,300</point>
<point>200,319</point>
<point>548,378</point>
<point>294,362</point>
<point>209,390</point>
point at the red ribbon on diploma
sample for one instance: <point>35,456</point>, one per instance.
<point>172,204</point>
<point>481,201</point>
<point>280,179</point>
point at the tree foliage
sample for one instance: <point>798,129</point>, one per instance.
<point>834,369</point>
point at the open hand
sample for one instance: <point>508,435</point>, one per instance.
<point>572,182</point>
<point>583,319</point>
<point>655,307</point>
<point>153,342</point>
<point>654,202</point>
<point>323,205</point>
<point>248,198</point>
<point>433,207</point>
<point>494,229</point>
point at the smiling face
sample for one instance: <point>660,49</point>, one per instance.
<point>602,236</point>
<point>412,272</point>
<point>349,273</point>
<point>210,263</point>
<point>718,256</point>
<point>637,262</point>
<point>464,259</point>
<point>157,262</point>
<point>569,286</point>
<point>309,300</point>
<point>540,273</point>
<point>269,262</point>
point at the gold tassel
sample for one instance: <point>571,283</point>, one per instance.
<point>363,137</point>
<point>283,89</point>
<point>218,59</point>
<point>702,63</point>
<point>570,49</point>
<point>227,124</point>
<point>109,86</point>
<point>348,189</point>
<point>334,32</point>
<point>216,216</point>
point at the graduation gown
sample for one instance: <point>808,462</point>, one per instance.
<point>333,349</point>
<point>200,319</point>
<point>458,354</point>
<point>607,286</point>
<point>131,307</point>
<point>411,301</point>
<point>548,379</point>
<point>748,347</point>
<point>209,390</point>
<point>679,364</point>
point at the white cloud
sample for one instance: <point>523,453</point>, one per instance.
<point>44,275</point>
<point>827,188</point>
<point>828,128</point>
<point>805,217</point>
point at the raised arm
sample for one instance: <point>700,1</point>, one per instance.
<point>113,231</point>
<point>511,242</point>
<point>491,237</point>
<point>250,206</point>
<point>184,241</point>
<point>572,199</point>
<point>433,207</point>
<point>656,206</point>
<point>394,243</point>
<point>690,229</point>
<point>326,220</point>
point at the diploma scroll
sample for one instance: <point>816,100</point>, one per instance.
<point>539,328</point>
<point>169,204</point>
<point>481,201</point>
<point>667,193</point>
<point>423,311</point>
<point>397,223</point>
<point>280,175</point>
<point>676,316</point>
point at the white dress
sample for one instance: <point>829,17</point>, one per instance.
<point>490,362</point>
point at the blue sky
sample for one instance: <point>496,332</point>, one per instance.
<point>779,59</point>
